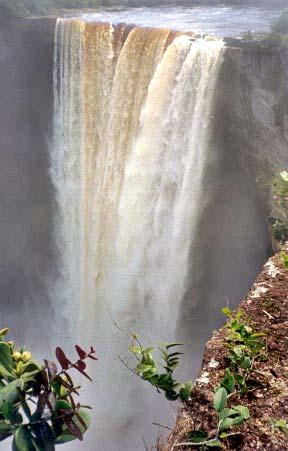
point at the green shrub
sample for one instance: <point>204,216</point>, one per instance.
<point>37,405</point>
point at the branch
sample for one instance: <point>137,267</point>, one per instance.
<point>162,426</point>
<point>177,445</point>
<point>127,366</point>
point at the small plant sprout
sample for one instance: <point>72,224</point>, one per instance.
<point>37,405</point>
<point>279,425</point>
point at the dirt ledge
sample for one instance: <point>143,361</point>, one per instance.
<point>266,308</point>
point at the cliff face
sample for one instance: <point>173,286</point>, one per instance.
<point>249,146</point>
<point>26,91</point>
<point>260,109</point>
<point>265,309</point>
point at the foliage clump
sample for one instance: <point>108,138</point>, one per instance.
<point>245,346</point>
<point>37,405</point>
<point>165,381</point>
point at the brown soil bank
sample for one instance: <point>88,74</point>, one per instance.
<point>265,307</point>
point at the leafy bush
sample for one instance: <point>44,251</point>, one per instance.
<point>37,405</point>
<point>280,25</point>
<point>245,347</point>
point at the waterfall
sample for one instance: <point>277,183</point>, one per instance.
<point>132,121</point>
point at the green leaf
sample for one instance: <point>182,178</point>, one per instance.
<point>226,311</point>
<point>31,370</point>
<point>246,362</point>
<point>229,422</point>
<point>173,366</point>
<point>4,427</point>
<point>257,335</point>
<point>214,444</point>
<point>23,439</point>
<point>186,391</point>
<point>6,430</point>
<point>164,353</point>
<point>11,391</point>
<point>229,381</point>
<point>227,413</point>
<point>197,436</point>
<point>61,404</point>
<point>244,411</point>
<point>141,368</point>
<point>7,364</point>
<point>66,436</point>
<point>166,379</point>
<point>171,395</point>
<point>220,399</point>
<point>10,413</point>
<point>174,354</point>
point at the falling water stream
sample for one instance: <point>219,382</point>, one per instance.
<point>132,117</point>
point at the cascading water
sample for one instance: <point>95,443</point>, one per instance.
<point>133,108</point>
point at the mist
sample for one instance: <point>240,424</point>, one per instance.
<point>31,7</point>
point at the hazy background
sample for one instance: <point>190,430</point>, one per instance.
<point>24,7</point>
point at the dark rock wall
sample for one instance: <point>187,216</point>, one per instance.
<point>26,94</point>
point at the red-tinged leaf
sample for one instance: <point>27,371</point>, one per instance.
<point>62,359</point>
<point>82,372</point>
<point>80,364</point>
<point>42,379</point>
<point>51,368</point>
<point>82,354</point>
<point>72,402</point>
<point>92,350</point>
<point>73,428</point>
